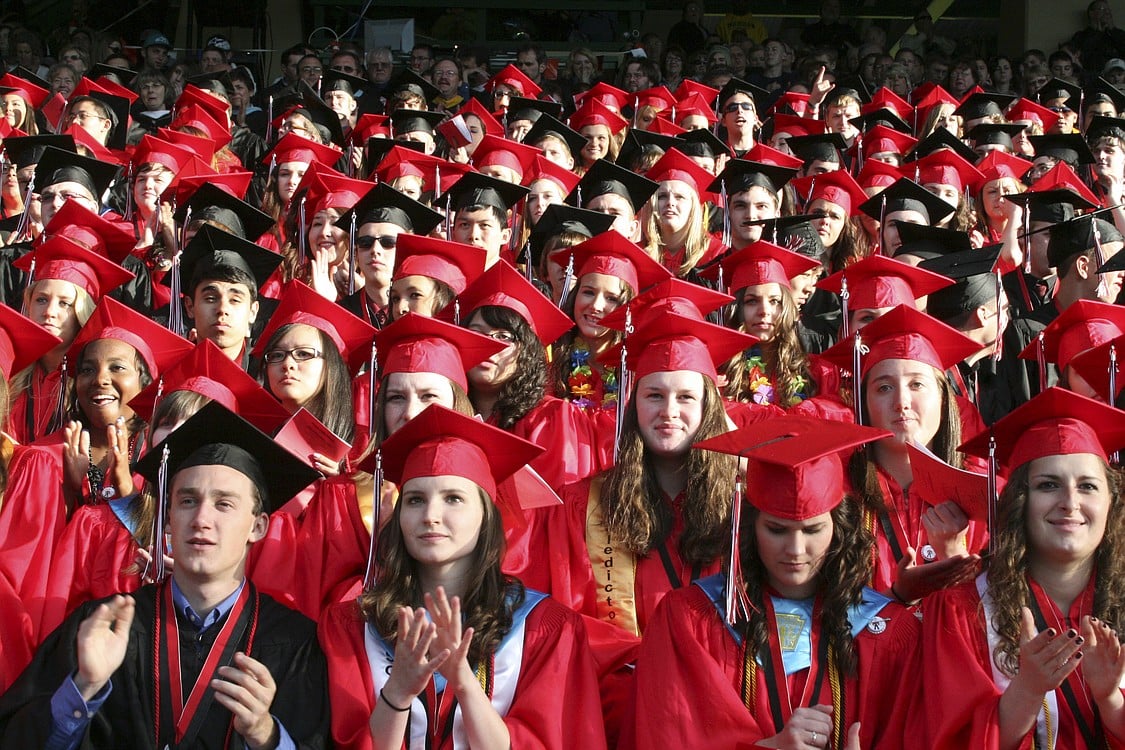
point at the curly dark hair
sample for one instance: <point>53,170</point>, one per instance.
<point>485,606</point>
<point>634,507</point>
<point>840,582</point>
<point>525,388</point>
<point>1008,565</point>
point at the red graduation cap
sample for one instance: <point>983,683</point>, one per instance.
<point>998,164</point>
<point>513,77</point>
<point>296,148</point>
<point>763,262</point>
<point>905,333</point>
<point>878,281</point>
<point>442,442</point>
<point>112,240</point>
<point>797,102</point>
<point>664,126</point>
<point>97,150</point>
<point>415,343</point>
<point>658,97</point>
<point>1081,326</point>
<point>798,126</point>
<point>669,342</point>
<point>28,91</point>
<point>202,119</point>
<point>106,85</point>
<point>884,98</point>
<point>218,109</point>
<point>209,372</point>
<point>153,150</point>
<point>944,167</point>
<point>764,154</point>
<point>201,146</point>
<point>504,286</point>
<point>330,189</point>
<point>796,464</point>
<point>494,150</point>
<point>452,263</point>
<point>611,254</point>
<point>1095,364</point>
<point>1063,177</point>
<point>877,174</point>
<point>156,345</point>
<point>545,169</point>
<point>674,165</point>
<point>671,295</point>
<point>66,260</point>
<point>369,125</point>
<point>1025,110</point>
<point>837,187</point>
<point>593,112</point>
<point>689,87</point>
<point>610,97</point>
<point>937,482</point>
<point>1056,422</point>
<point>883,140</point>
<point>21,341</point>
<point>492,126</point>
<point>233,183</point>
<point>936,96</point>
<point>299,303</point>
<point>693,104</point>
<point>404,162</point>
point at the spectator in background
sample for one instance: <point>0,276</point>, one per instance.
<point>75,57</point>
<point>653,45</point>
<point>154,50</point>
<point>775,78</point>
<point>740,23</point>
<point>289,59</point>
<point>672,67</point>
<point>689,32</point>
<point>925,38</point>
<point>738,59</point>
<point>755,58</point>
<point>216,55</point>
<point>639,74</point>
<point>1100,41</point>
<point>962,78</point>
<point>27,50</point>
<point>915,68</point>
<point>447,80</point>
<point>347,61</point>
<point>243,110</point>
<point>63,78</point>
<point>422,59</point>
<point>937,70</point>
<point>1062,66</point>
<point>829,30</point>
<point>1003,76</point>
<point>1114,72</point>
<point>531,59</point>
<point>310,69</point>
<point>1033,80</point>
<point>718,56</point>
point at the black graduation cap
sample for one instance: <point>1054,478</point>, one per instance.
<point>26,150</point>
<point>383,203</point>
<point>925,241</point>
<point>378,148</point>
<point>56,165</point>
<point>1102,90</point>
<point>548,124</point>
<point>211,248</point>
<point>414,120</point>
<point>207,81</point>
<point>124,76</point>
<point>408,80</point>
<point>21,72</point>
<point>638,139</point>
<point>1000,133</point>
<point>982,104</point>
<point>1068,147</point>
<point>906,195</point>
<point>521,108</point>
<point>210,202</point>
<point>216,436</point>
<point>319,112</point>
<point>1052,206</point>
<point>974,281</point>
<point>739,175</point>
<point>476,189</point>
<point>606,177</point>
<point>737,85</point>
<point>1102,125</point>
<point>937,140</point>
<point>882,116</point>
<point>118,107</point>
<point>559,218</point>
<point>336,80</point>
<point>1056,88</point>
<point>796,233</point>
<point>705,137</point>
<point>1077,236</point>
<point>820,147</point>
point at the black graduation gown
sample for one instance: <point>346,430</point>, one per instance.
<point>283,640</point>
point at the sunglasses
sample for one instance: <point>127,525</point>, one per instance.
<point>386,241</point>
<point>736,106</point>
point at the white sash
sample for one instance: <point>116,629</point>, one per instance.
<point>1001,680</point>
<point>506,674</point>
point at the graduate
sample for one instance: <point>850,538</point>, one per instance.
<point>444,650</point>
<point>256,671</point>
<point>811,658</point>
<point>1027,655</point>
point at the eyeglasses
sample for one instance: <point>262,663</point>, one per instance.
<point>736,106</point>
<point>299,354</point>
<point>49,196</point>
<point>307,69</point>
<point>84,116</point>
<point>71,57</point>
<point>504,337</point>
<point>345,69</point>
<point>386,241</point>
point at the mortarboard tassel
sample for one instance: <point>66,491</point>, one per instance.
<point>269,120</point>
<point>1041,360</point>
<point>622,384</point>
<point>738,604</point>
<point>373,386</point>
<point>1026,244</point>
<point>1001,323</point>
<point>882,223</point>
<point>568,280</point>
<point>724,197</point>
<point>129,201</point>
<point>529,260</point>
<point>859,153</point>
<point>1099,255</point>
<point>158,519</point>
<point>302,229</point>
<point>1112,398</point>
<point>373,547</point>
<point>456,311</point>
<point>858,350</point>
<point>993,494</point>
<point>175,282</point>
<point>23,228</point>
<point>845,295</point>
<point>351,256</point>
<point>30,283</point>
<point>448,218</point>
<point>58,417</point>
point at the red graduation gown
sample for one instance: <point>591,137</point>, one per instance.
<point>687,684</point>
<point>46,387</point>
<point>962,700</point>
<point>17,636</point>
<point>556,698</point>
<point>575,446</point>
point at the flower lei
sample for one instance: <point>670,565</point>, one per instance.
<point>590,388</point>
<point>761,388</point>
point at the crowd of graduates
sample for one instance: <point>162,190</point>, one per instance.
<point>616,418</point>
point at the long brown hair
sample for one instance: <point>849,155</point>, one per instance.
<point>1007,566</point>
<point>486,606</point>
<point>567,343</point>
<point>635,510</point>
<point>786,362</point>
<point>840,582</point>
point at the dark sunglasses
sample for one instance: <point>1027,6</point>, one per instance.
<point>366,243</point>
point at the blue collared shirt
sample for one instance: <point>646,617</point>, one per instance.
<point>71,715</point>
